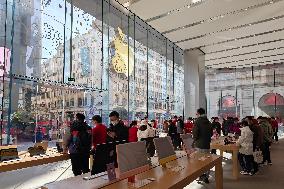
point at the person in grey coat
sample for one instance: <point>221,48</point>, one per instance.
<point>202,133</point>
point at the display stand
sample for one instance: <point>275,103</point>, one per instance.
<point>165,150</point>
<point>8,153</point>
<point>132,160</point>
<point>188,144</point>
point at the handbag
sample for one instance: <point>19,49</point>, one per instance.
<point>257,156</point>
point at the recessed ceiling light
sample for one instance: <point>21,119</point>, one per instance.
<point>195,1</point>
<point>188,6</point>
<point>273,18</point>
<point>246,9</point>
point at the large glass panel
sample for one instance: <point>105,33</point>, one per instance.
<point>178,82</point>
<point>170,81</point>
<point>141,68</point>
<point>62,57</point>
<point>250,91</point>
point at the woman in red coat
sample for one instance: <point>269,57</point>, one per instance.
<point>99,132</point>
<point>132,137</point>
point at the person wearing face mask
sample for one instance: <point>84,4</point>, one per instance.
<point>117,130</point>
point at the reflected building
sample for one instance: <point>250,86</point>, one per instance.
<point>55,101</point>
<point>254,91</point>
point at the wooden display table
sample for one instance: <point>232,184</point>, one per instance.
<point>27,161</point>
<point>165,178</point>
<point>232,148</point>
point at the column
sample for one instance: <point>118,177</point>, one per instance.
<point>194,82</point>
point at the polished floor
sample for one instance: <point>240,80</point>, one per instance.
<point>269,177</point>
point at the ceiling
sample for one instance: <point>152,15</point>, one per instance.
<point>231,33</point>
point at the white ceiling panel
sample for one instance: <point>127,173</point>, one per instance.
<point>149,8</point>
<point>246,50</point>
<point>255,44</point>
<point>204,11</point>
<point>245,42</point>
<point>237,33</point>
<point>253,57</point>
<point>226,23</point>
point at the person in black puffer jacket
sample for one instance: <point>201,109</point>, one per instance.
<point>79,145</point>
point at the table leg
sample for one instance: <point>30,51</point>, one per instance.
<point>219,175</point>
<point>235,165</point>
<point>91,162</point>
<point>221,153</point>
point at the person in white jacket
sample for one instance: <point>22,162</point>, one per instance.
<point>143,132</point>
<point>147,133</point>
<point>245,142</point>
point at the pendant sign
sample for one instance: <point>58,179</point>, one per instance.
<point>71,79</point>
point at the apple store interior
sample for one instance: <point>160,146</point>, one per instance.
<point>119,94</point>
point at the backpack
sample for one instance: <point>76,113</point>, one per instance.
<point>80,142</point>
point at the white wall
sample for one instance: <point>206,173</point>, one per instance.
<point>194,82</point>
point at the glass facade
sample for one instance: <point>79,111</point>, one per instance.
<point>251,91</point>
<point>61,57</point>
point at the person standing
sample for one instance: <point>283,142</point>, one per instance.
<point>79,145</point>
<point>166,126</point>
<point>257,138</point>
<point>245,142</point>
<point>117,130</point>
<point>173,133</point>
<point>142,133</point>
<point>202,133</point>
<point>267,139</point>
<point>99,132</point>
<point>274,125</point>
<point>180,127</point>
<point>227,123</point>
<point>216,125</point>
<point>133,129</point>
<point>188,126</point>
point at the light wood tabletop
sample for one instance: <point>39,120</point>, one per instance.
<point>164,177</point>
<point>27,161</point>
<point>231,148</point>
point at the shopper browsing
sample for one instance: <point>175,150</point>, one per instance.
<point>202,133</point>
<point>245,155</point>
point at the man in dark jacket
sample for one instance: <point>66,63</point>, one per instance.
<point>202,133</point>
<point>117,130</point>
<point>173,133</point>
<point>227,124</point>
<point>79,145</point>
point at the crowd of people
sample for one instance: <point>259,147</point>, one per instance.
<point>253,135</point>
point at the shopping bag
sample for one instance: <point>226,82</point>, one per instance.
<point>257,155</point>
